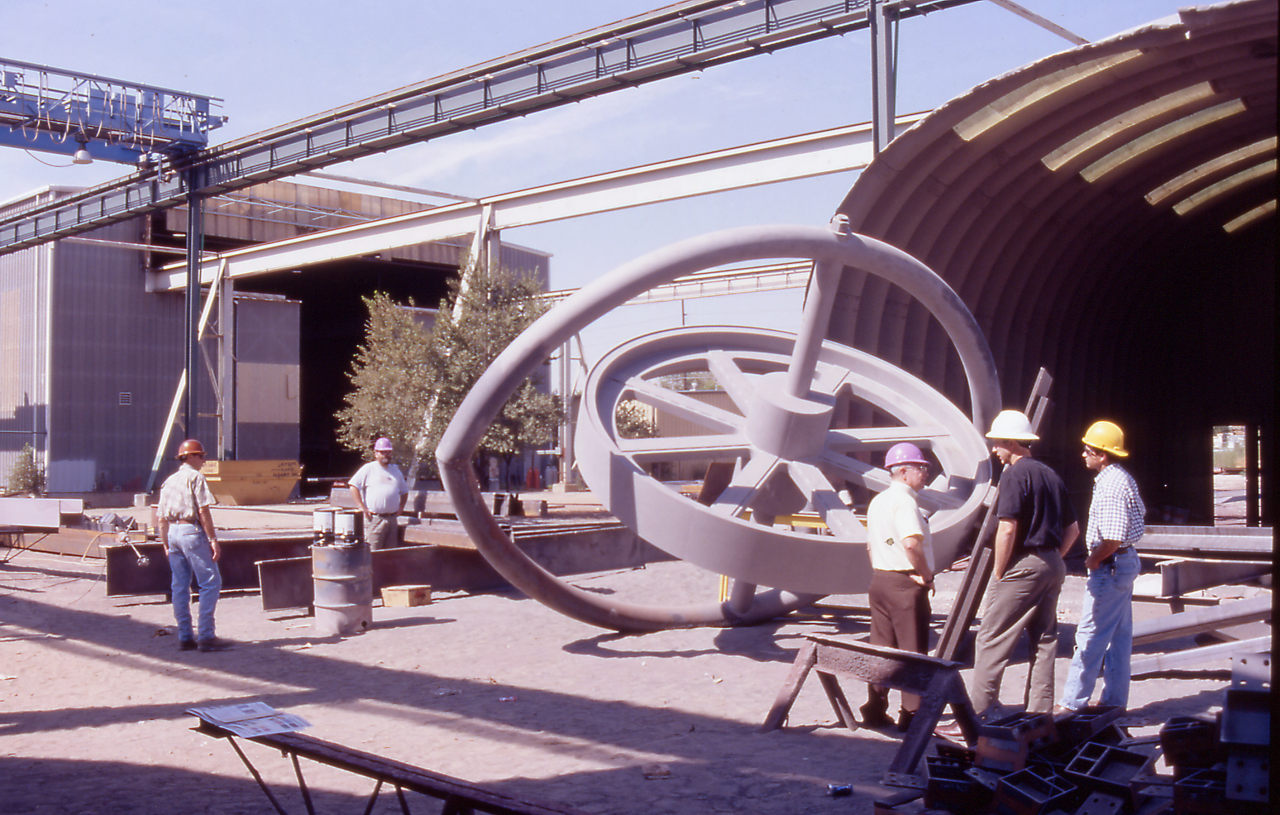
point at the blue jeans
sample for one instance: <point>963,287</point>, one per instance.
<point>191,556</point>
<point>1104,638</point>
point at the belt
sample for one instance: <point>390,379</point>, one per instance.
<point>1110,560</point>
<point>387,514</point>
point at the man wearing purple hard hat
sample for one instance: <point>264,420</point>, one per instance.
<point>380,492</point>
<point>901,552</point>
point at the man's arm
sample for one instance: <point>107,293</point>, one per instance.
<point>355,493</point>
<point>1105,550</point>
<point>913,546</point>
<point>206,521</point>
<point>1006,534</point>
<point>1069,536</point>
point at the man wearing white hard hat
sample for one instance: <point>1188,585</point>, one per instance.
<point>1104,636</point>
<point>901,551</point>
<point>1037,526</point>
<point>380,493</point>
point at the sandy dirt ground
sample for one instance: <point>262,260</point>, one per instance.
<point>493,688</point>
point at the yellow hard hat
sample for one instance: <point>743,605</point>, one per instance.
<point>1107,437</point>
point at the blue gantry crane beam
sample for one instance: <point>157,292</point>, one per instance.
<point>672,40</point>
<point>58,111</point>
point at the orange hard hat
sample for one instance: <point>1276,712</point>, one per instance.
<point>188,447</point>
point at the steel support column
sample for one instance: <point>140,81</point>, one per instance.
<point>191,330</point>
<point>883,75</point>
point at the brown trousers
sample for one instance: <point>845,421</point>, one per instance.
<point>899,619</point>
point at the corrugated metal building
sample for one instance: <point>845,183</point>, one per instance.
<point>90,360</point>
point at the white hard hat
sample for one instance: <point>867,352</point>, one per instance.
<point>1013,425</point>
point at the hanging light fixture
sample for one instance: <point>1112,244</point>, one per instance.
<point>82,155</point>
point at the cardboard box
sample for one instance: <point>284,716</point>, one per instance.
<point>405,596</point>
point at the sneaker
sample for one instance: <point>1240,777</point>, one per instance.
<point>186,645</point>
<point>950,731</point>
<point>215,644</point>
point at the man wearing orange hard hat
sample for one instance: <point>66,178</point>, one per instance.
<point>185,527</point>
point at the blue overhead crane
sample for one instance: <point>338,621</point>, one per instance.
<point>57,111</point>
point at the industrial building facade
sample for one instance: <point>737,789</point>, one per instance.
<point>90,359</point>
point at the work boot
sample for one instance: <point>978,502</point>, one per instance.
<point>186,645</point>
<point>874,717</point>
<point>215,644</point>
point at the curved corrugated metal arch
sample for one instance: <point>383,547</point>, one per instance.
<point>1029,195</point>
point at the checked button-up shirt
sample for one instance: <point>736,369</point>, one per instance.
<point>1116,512</point>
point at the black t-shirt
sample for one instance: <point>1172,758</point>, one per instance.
<point>1033,495</point>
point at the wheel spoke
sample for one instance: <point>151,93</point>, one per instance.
<point>844,524</point>
<point>856,439</point>
<point>746,482</point>
<point>870,476</point>
<point>684,448</point>
<point>725,369</point>
<point>683,407</point>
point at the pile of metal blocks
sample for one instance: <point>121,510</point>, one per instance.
<point>1084,763</point>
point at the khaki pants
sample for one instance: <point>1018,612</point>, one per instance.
<point>1026,598</point>
<point>382,532</point>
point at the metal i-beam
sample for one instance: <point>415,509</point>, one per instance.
<point>808,155</point>
<point>673,40</point>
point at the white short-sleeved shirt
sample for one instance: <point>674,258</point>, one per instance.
<point>892,517</point>
<point>380,487</point>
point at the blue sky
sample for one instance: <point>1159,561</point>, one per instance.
<point>274,61</point>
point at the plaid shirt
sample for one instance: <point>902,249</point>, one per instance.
<point>183,494</point>
<point>1116,511</point>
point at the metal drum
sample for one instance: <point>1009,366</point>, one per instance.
<point>343,577</point>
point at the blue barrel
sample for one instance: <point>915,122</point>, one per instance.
<point>343,577</point>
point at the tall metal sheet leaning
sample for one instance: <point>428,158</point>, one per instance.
<point>787,443</point>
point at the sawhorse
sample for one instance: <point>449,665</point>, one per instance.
<point>936,681</point>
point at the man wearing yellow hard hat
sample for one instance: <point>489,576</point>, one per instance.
<point>1104,636</point>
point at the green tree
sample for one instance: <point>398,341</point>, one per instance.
<point>390,379</point>
<point>26,475</point>
<point>485,310</point>
<point>635,420</point>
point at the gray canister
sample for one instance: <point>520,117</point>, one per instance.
<point>343,577</point>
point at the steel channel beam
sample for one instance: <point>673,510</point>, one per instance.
<point>1186,623</point>
<point>641,49</point>
<point>1198,656</point>
<point>1179,577</point>
<point>1244,543</point>
<point>804,156</point>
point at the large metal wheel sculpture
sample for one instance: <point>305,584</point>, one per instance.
<point>784,436</point>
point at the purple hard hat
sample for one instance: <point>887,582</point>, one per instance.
<point>383,444</point>
<point>904,452</point>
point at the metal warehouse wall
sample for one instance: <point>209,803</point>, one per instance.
<point>23,363</point>
<point>117,355</point>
